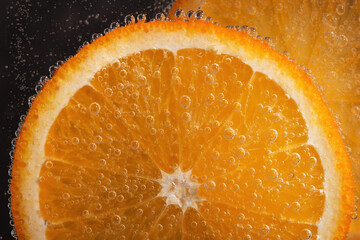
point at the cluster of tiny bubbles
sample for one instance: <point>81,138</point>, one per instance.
<point>191,15</point>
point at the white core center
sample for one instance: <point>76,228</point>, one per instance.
<point>179,189</point>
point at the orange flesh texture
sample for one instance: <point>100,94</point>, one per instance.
<point>322,36</point>
<point>241,136</point>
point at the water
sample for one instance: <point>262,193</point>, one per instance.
<point>39,34</point>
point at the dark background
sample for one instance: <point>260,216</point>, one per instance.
<point>34,35</point>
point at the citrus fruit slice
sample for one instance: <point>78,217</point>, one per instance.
<point>322,36</point>
<point>176,130</point>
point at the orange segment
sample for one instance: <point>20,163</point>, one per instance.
<point>323,36</point>
<point>216,138</point>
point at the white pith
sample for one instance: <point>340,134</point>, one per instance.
<point>179,189</point>
<point>174,41</point>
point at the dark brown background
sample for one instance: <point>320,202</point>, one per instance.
<point>35,34</point>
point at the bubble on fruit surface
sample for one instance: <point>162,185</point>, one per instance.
<point>272,174</point>
<point>210,185</point>
<point>134,145</point>
<point>94,108</point>
<point>102,162</point>
<point>185,101</point>
<point>295,206</point>
<point>209,78</point>
<point>330,38</point>
<point>116,219</point>
<point>305,234</point>
<point>264,229</point>
<point>295,158</point>
<point>66,195</point>
<point>210,99</point>
<point>186,117</point>
<point>342,40</point>
<point>229,133</point>
<point>272,134</point>
<point>150,119</point>
<point>237,106</point>
<point>340,9</point>
<point>240,152</point>
<point>49,164</point>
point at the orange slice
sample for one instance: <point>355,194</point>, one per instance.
<point>185,129</point>
<point>321,35</point>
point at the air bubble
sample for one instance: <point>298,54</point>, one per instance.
<point>117,114</point>
<point>159,227</point>
<point>108,92</point>
<point>313,161</point>
<point>141,80</point>
<point>116,64</point>
<point>66,196</point>
<point>240,152</point>
<point>98,206</point>
<point>207,130</point>
<point>229,133</point>
<point>185,101</point>
<point>186,117</point>
<point>175,71</point>
<point>116,219</point>
<point>237,106</point>
<point>112,195</point>
<point>134,145</point>
<point>231,160</point>
<point>215,154</point>
<point>139,212</point>
<point>92,147</point>
<point>223,102</point>
<point>179,13</point>
<point>248,227</point>
<point>141,17</point>
<point>305,234</point>
<point>94,108</point>
<point>330,19</point>
<point>160,17</point>
<point>279,7</point>
<point>98,139</point>
<point>264,229</point>
<point>235,187</point>
<point>49,164</point>
<point>209,78</point>
<point>258,182</point>
<point>194,224</point>
<point>342,40</point>
<point>120,198</point>
<point>85,213</point>
<point>241,138</point>
<point>295,158</point>
<point>210,185</point>
<point>272,174</point>
<point>215,68</point>
<point>153,131</point>
<point>222,186</point>
<point>271,134</point>
<point>210,99</point>
<point>295,206</point>
<point>102,162</point>
<point>150,120</point>
<point>340,9</point>
<point>330,38</point>
<point>129,19</point>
